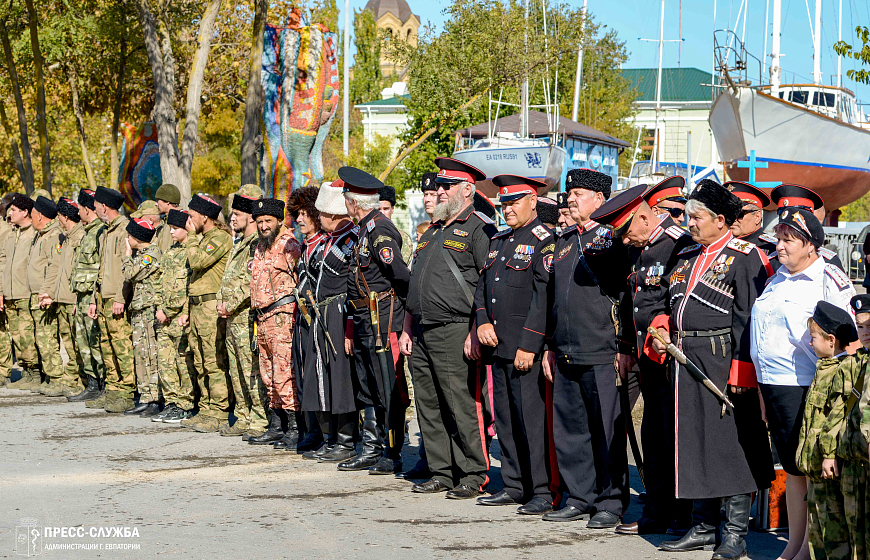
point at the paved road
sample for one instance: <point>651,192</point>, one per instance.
<point>181,494</point>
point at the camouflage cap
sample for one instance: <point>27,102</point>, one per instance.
<point>251,191</point>
<point>39,192</point>
<point>147,208</point>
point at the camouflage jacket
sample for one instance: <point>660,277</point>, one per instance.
<point>87,260</point>
<point>235,289</point>
<point>855,436</point>
<point>171,296</point>
<point>825,411</point>
<point>207,255</point>
<point>142,271</point>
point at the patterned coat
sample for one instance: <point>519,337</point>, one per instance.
<point>142,271</point>
<point>235,289</point>
<point>273,273</point>
<point>171,294</point>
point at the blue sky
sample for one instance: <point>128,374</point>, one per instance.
<point>640,18</point>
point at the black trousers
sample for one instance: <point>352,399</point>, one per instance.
<point>589,432</point>
<point>448,394</point>
<point>371,389</point>
<point>519,405</point>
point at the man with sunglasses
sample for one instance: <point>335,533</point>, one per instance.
<point>750,219</point>
<point>667,198</point>
<point>796,196</point>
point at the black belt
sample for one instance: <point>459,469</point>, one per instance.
<point>196,300</point>
<point>692,334</point>
<point>273,306</point>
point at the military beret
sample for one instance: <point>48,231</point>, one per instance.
<point>860,303</point>
<point>805,222</point>
<point>718,199</point>
<point>269,207</point>
<point>748,194</point>
<point>46,207</point>
<point>512,187</point>
<point>205,205</point>
<point>669,189</point>
<point>22,202</point>
<point>68,209</point>
<point>147,208</point>
<point>619,211</point>
<point>796,195</point>
<point>86,198</point>
<point>141,229</point>
<point>455,171</point>
<point>589,179</point>
<point>548,210</point>
<point>562,200</point>
<point>110,197</point>
<point>358,181</point>
<point>387,193</point>
<point>177,218</point>
<point>428,183</point>
<point>835,321</point>
<point>169,193</point>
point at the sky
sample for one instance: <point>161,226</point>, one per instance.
<point>634,19</point>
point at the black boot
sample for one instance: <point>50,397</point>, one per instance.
<point>372,443</point>
<point>274,432</point>
<point>391,462</point>
<point>138,409</point>
<point>313,435</point>
<point>736,526</point>
<point>345,446</point>
<point>92,390</point>
<point>327,428</point>
<point>702,535</point>
<point>290,441</point>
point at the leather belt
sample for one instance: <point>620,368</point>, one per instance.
<point>694,334</point>
<point>363,303</point>
<point>196,300</point>
<point>273,306</point>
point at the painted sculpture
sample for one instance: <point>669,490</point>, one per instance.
<point>139,174</point>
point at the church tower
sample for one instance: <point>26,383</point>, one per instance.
<point>395,18</point>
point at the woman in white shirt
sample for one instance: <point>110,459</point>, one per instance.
<point>785,363</point>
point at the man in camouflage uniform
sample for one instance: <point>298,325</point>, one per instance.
<point>110,305</point>
<point>16,292</point>
<point>68,217</point>
<point>5,335</point>
<point>142,271</point>
<point>83,279</point>
<point>207,256</point>
<point>234,305</point>
<point>176,371</point>
<point>168,198</point>
<point>42,278</point>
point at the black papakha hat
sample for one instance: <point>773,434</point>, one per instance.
<point>718,199</point>
<point>177,218</point>
<point>205,205</point>
<point>22,202</point>
<point>269,207</point>
<point>110,197</point>
<point>589,179</point>
<point>428,183</point>
<point>141,230</point>
<point>835,321</point>
<point>68,209</point>
<point>86,198</point>
<point>46,207</point>
<point>548,210</point>
<point>243,203</point>
<point>387,193</point>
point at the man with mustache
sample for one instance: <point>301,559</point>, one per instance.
<point>750,220</point>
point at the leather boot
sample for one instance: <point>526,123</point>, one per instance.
<point>736,526</point>
<point>313,435</point>
<point>702,535</point>
<point>327,430</point>
<point>274,433</point>
<point>345,447</point>
<point>391,462</point>
<point>290,441</point>
<point>372,443</point>
<point>92,390</point>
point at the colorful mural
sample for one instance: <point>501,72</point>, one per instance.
<point>139,174</point>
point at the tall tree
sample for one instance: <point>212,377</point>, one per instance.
<point>27,176</point>
<point>251,134</point>
<point>367,79</point>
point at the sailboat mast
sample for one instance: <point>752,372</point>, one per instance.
<point>524,102</point>
<point>579,76</point>
<point>840,38</point>
<point>345,117</point>
<point>655,154</point>
<point>775,54</point>
<point>817,45</point>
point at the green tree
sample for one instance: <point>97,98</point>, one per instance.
<point>843,48</point>
<point>367,81</point>
<point>217,164</point>
<point>857,211</point>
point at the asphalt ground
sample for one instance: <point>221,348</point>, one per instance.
<point>79,483</point>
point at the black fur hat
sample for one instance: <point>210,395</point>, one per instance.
<point>589,179</point>
<point>387,193</point>
<point>141,230</point>
<point>46,207</point>
<point>110,197</point>
<point>269,207</point>
<point>22,202</point>
<point>427,182</point>
<point>177,218</point>
<point>86,198</point>
<point>718,199</point>
<point>68,209</point>
<point>205,205</point>
<point>548,210</point>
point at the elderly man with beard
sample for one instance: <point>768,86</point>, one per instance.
<point>273,279</point>
<point>441,338</point>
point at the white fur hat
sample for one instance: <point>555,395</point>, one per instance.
<point>331,200</point>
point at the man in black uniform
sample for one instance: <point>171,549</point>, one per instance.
<point>377,287</point>
<point>722,456</point>
<point>656,242</point>
<point>588,279</point>
<point>510,305</point>
<point>667,198</point>
<point>748,225</point>
<point>785,196</point>
<point>448,378</point>
<point>565,220</point>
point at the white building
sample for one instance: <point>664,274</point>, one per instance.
<point>387,116</point>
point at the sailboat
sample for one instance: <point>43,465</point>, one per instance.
<point>809,134</point>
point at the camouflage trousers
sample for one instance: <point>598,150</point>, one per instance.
<point>87,337</point>
<point>145,354</point>
<point>177,375</point>
<point>73,370</point>
<point>46,333</point>
<point>275,339</point>
<point>23,332</point>
<point>5,347</point>
<point>208,340</point>
<point>854,480</point>
<point>828,535</point>
<point>117,349</point>
<point>248,387</point>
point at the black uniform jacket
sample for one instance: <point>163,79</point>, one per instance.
<point>436,297</point>
<point>512,292</point>
<point>581,327</point>
<point>766,242</point>
<point>647,291</point>
<point>377,258</point>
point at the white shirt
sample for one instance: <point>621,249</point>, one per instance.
<point>781,349</point>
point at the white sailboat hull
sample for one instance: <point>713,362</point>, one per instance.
<point>544,163</point>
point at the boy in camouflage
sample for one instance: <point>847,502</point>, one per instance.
<point>854,449</point>
<point>832,330</point>
<point>143,274</point>
<point>177,375</point>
